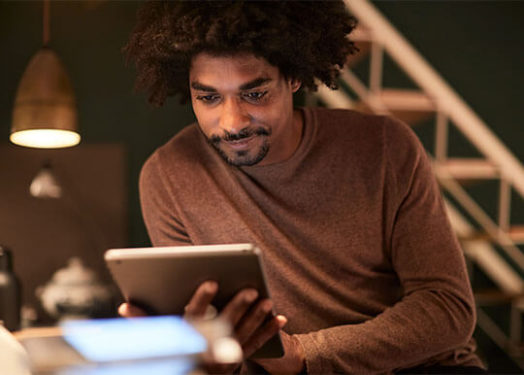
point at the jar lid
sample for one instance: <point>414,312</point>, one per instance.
<point>6,263</point>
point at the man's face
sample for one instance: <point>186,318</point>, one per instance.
<point>244,107</point>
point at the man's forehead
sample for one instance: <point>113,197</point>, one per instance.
<point>238,69</point>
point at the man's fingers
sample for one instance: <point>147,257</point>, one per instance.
<point>268,330</point>
<point>252,321</point>
<point>282,321</point>
<point>196,308</point>
<point>239,305</point>
<point>127,310</point>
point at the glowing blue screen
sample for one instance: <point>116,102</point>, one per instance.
<point>109,340</point>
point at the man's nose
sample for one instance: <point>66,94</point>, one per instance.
<point>233,117</point>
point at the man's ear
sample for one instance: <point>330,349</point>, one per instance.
<point>295,84</point>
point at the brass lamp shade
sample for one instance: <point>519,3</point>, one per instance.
<point>44,114</point>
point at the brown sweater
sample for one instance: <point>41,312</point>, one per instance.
<point>358,250</point>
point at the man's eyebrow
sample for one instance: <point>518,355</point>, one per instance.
<point>254,83</point>
<point>246,86</point>
<point>199,86</point>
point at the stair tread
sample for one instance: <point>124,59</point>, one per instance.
<point>469,168</point>
<point>409,105</point>
<point>406,100</point>
<point>495,296</point>
<point>515,232</point>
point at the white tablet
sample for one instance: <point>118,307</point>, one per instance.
<point>162,280</point>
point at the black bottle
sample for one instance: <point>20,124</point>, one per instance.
<point>9,292</point>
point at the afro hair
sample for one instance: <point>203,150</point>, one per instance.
<point>304,39</point>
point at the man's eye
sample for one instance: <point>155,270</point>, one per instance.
<point>207,98</point>
<point>255,95</point>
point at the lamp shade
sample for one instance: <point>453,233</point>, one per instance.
<point>44,113</point>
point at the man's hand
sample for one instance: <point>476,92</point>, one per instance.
<point>251,326</point>
<point>292,362</point>
<point>247,315</point>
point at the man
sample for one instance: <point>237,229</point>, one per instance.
<point>361,260</point>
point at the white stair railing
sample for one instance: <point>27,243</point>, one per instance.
<point>498,162</point>
<point>446,99</point>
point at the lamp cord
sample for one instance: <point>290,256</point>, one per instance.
<point>46,16</point>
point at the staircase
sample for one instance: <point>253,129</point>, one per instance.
<point>489,243</point>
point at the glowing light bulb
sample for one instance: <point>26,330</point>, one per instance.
<point>45,138</point>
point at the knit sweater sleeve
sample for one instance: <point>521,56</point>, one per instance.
<point>159,208</point>
<point>436,313</point>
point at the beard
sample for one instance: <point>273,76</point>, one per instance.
<point>242,158</point>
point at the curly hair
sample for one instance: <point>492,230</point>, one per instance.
<point>304,39</point>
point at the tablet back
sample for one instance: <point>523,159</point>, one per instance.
<point>162,280</point>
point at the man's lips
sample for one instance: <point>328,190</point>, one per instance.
<point>242,143</point>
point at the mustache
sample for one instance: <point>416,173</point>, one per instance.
<point>244,133</point>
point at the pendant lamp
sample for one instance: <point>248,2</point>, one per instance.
<point>44,113</point>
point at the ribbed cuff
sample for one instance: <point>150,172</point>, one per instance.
<point>312,354</point>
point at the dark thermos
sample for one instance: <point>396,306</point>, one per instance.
<point>9,292</point>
